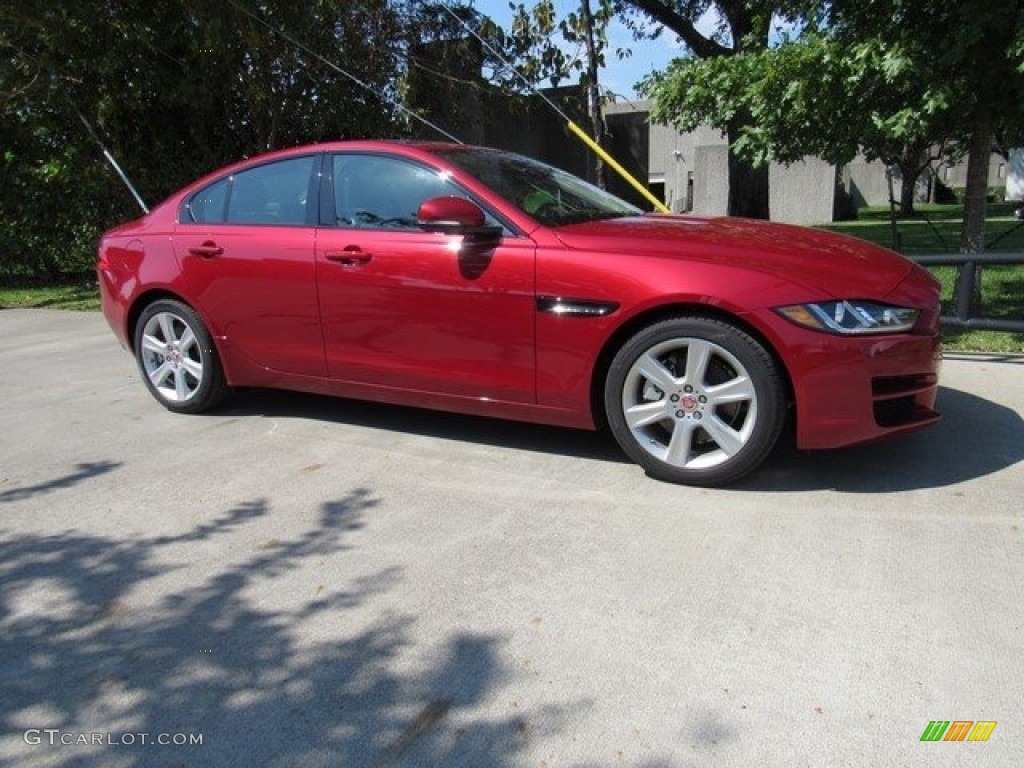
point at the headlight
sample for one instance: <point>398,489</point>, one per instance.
<point>851,317</point>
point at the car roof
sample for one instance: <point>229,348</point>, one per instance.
<point>325,146</point>
<point>432,147</point>
<point>349,144</point>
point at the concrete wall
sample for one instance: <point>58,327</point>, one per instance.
<point>672,160</point>
<point>684,162</point>
<point>802,193</point>
<point>694,167</point>
<point>866,183</point>
<point>955,176</point>
<point>694,175</point>
<point>710,180</point>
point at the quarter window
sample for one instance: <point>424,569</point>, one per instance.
<point>208,205</point>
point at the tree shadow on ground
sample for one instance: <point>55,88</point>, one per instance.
<point>98,635</point>
<point>975,438</point>
<point>83,471</point>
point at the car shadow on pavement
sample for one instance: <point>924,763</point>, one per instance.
<point>124,636</point>
<point>580,443</point>
<point>975,438</point>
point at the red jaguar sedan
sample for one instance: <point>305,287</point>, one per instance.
<point>477,281</point>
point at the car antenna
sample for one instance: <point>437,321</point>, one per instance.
<point>575,129</point>
<point>106,152</point>
<point>365,86</point>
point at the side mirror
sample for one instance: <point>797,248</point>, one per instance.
<point>449,214</point>
<point>457,216</point>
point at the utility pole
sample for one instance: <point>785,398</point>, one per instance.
<point>593,88</point>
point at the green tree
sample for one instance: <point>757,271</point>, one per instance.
<point>970,54</point>
<point>813,96</point>
<point>175,89</point>
<point>745,28</point>
<point>588,26</point>
<point>906,81</point>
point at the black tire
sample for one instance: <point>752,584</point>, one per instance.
<point>695,400</point>
<point>177,358</point>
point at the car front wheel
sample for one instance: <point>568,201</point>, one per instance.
<point>177,359</point>
<point>695,400</point>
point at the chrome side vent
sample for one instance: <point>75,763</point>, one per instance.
<point>556,305</point>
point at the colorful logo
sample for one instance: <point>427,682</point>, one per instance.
<point>958,730</point>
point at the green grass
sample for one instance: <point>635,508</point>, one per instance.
<point>935,228</point>
<point>1002,292</point>
<point>79,294</point>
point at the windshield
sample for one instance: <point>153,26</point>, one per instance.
<point>551,196</point>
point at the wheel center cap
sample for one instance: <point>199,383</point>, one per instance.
<point>174,357</point>
<point>688,402</point>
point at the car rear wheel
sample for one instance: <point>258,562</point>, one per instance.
<point>177,358</point>
<point>695,400</point>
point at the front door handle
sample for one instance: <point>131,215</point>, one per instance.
<point>207,250</point>
<point>351,254</point>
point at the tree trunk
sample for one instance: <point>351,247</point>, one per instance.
<point>908,185</point>
<point>972,233</point>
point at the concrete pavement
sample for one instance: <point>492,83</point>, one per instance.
<point>300,581</point>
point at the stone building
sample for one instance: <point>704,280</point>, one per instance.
<point>689,172</point>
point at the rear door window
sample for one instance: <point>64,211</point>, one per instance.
<point>275,194</point>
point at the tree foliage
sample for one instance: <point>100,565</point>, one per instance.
<point>906,81</point>
<point>814,96</point>
<point>548,49</point>
<point>175,89</point>
<point>475,52</point>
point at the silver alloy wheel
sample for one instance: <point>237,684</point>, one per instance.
<point>690,403</point>
<point>172,357</point>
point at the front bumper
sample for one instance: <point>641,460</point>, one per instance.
<point>857,389</point>
<point>867,390</point>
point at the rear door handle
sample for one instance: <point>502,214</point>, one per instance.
<point>207,250</point>
<point>351,254</point>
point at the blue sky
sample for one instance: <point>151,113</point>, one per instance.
<point>620,76</point>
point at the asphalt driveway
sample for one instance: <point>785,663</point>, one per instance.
<point>300,581</point>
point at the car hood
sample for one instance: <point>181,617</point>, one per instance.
<point>822,261</point>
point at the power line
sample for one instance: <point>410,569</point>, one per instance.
<point>506,63</point>
<point>582,135</point>
<point>366,86</point>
